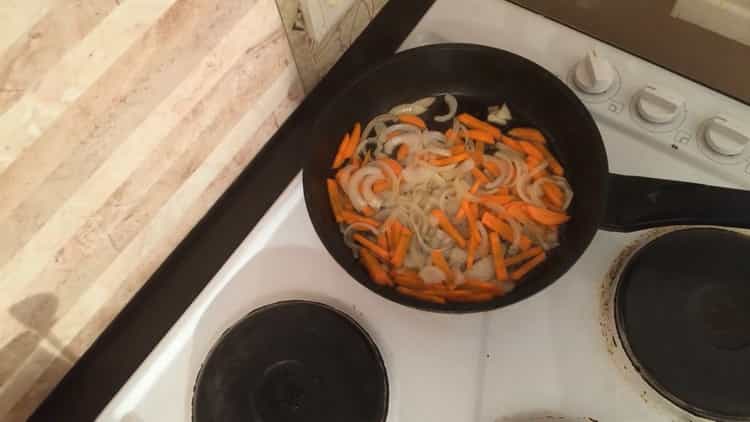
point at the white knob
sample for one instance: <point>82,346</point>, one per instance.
<point>659,105</point>
<point>726,136</point>
<point>594,74</point>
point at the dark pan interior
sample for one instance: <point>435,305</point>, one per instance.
<point>479,76</point>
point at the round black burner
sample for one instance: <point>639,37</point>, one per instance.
<point>683,312</point>
<point>293,361</point>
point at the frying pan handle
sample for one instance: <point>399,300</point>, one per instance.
<point>635,203</point>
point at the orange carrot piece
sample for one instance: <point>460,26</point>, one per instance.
<point>467,296</point>
<point>479,285</point>
<point>517,210</point>
<point>451,135</point>
<point>383,240</point>
<point>471,219</point>
<point>412,120</point>
<point>498,256</point>
<point>503,191</point>
<point>479,154</point>
<point>523,256</point>
<point>554,194</point>
<point>495,224</point>
<point>354,139</point>
<point>393,164</point>
<point>403,245</point>
<point>528,266</point>
<point>528,134</point>
<point>457,149</point>
<point>544,216</point>
<point>447,227</point>
<point>419,295</point>
<point>492,168</point>
<point>531,150</point>
<point>376,271</point>
<point>368,211</point>
<point>512,143</point>
<point>352,217</point>
<point>439,261</point>
<point>480,135</point>
<point>402,152</point>
<point>393,234</point>
<point>335,200</point>
<point>341,154</point>
<point>380,186</point>
<point>474,123</point>
<point>408,279</point>
<point>497,199</point>
<point>554,165</point>
<point>450,160</point>
<point>381,252</point>
<point>479,176</point>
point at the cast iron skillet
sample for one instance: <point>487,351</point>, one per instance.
<point>481,76</point>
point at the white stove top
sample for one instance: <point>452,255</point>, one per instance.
<point>543,356</point>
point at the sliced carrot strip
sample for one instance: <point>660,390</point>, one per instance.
<point>379,251</point>
<point>451,135</point>
<point>471,252</point>
<point>495,224</point>
<point>403,245</point>
<point>457,149</point>
<point>479,285</point>
<point>403,152</point>
<point>393,232</point>
<point>408,279</point>
<point>383,240</point>
<point>479,176</point>
<point>468,296</point>
<point>524,243</point>
<point>544,216</point>
<point>354,139</point>
<point>471,219</point>
<point>393,164</point>
<point>523,256</point>
<point>368,211</point>
<point>531,150</point>
<point>492,168</point>
<point>419,295</point>
<point>450,160</point>
<point>480,135</point>
<point>335,200</point>
<point>439,261</point>
<point>376,271</point>
<point>554,165</point>
<point>380,186</point>
<point>341,154</point>
<point>512,143</point>
<point>497,199</point>
<point>474,123</point>
<point>447,227</point>
<point>412,120</point>
<point>528,266</point>
<point>528,133</point>
<point>351,218</point>
<point>498,256</point>
<point>554,194</point>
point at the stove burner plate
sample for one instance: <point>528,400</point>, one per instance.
<point>293,361</point>
<point>682,308</point>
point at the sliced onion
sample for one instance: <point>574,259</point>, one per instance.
<point>417,107</point>
<point>413,140</point>
<point>432,275</point>
<point>352,190</point>
<point>346,172</point>
<point>369,196</point>
<point>483,269</point>
<point>452,107</point>
<point>499,115</point>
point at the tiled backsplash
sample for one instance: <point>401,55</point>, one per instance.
<point>313,58</point>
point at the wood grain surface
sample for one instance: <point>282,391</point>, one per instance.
<point>121,122</point>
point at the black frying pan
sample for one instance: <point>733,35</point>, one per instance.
<point>479,77</point>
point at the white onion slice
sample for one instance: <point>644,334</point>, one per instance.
<point>452,107</point>
<point>417,107</point>
<point>369,196</point>
<point>353,188</point>
<point>432,275</point>
<point>483,269</point>
<point>413,140</point>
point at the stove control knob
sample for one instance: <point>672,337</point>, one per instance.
<point>594,74</point>
<point>659,105</point>
<point>726,136</point>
